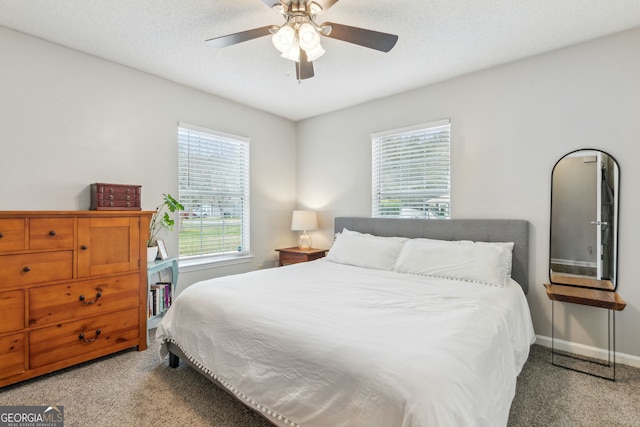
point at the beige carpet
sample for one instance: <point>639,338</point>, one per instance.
<point>139,389</point>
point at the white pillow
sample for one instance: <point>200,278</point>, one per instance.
<point>478,262</point>
<point>508,247</point>
<point>366,250</point>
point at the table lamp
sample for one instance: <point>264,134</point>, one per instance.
<point>304,220</point>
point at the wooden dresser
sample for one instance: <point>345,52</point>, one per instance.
<point>73,287</point>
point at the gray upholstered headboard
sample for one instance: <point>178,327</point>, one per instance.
<point>485,230</point>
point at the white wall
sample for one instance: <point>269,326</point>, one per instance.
<point>509,124</point>
<point>68,120</point>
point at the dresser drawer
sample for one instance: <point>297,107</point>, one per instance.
<point>103,197</point>
<point>133,204</point>
<point>12,309</point>
<point>12,237</point>
<point>12,354</point>
<point>51,233</point>
<point>93,335</point>
<point>115,189</point>
<point>57,303</point>
<point>25,269</point>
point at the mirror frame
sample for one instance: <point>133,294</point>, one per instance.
<point>586,282</point>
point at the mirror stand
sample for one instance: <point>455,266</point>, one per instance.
<point>583,248</point>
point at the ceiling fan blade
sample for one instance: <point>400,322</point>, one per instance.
<point>368,38</point>
<point>304,68</point>
<point>325,4</point>
<point>271,3</point>
<point>243,36</point>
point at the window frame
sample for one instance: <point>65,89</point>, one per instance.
<point>378,168</point>
<point>218,259</point>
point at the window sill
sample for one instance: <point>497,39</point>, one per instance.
<point>212,262</point>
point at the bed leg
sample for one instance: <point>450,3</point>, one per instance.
<point>174,360</point>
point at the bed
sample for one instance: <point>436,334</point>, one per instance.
<point>406,322</point>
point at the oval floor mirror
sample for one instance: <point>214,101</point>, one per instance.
<point>584,220</point>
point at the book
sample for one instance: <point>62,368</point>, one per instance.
<point>160,296</point>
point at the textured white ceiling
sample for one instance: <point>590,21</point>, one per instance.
<point>438,39</point>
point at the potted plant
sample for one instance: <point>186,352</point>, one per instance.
<point>159,220</point>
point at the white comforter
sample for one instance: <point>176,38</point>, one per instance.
<point>326,344</point>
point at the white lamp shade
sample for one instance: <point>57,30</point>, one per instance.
<point>304,220</point>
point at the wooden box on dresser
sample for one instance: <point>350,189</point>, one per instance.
<point>73,287</point>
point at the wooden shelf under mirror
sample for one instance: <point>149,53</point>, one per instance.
<point>583,296</point>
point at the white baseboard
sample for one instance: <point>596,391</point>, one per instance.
<point>588,351</point>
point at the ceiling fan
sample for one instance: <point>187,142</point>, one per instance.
<point>298,39</point>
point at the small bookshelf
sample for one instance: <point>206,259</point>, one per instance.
<point>162,278</point>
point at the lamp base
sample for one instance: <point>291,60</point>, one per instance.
<point>304,242</point>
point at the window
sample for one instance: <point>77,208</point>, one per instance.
<point>411,172</point>
<point>213,173</point>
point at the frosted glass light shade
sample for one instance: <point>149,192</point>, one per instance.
<point>315,53</point>
<point>309,37</point>
<point>310,41</point>
<point>293,53</point>
<point>283,39</point>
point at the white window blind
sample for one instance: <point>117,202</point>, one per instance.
<point>411,172</point>
<point>214,189</point>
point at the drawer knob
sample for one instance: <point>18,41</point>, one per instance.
<point>85,302</point>
<point>52,233</point>
<point>1,236</point>
<point>81,337</point>
<point>84,247</point>
<point>26,269</point>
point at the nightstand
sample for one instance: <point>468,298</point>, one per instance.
<point>295,255</point>
<point>608,300</point>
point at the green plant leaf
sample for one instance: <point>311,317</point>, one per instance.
<point>161,218</point>
<point>167,221</point>
<point>172,203</point>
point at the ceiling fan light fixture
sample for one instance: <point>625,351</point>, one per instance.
<point>293,53</point>
<point>309,37</point>
<point>314,8</point>
<point>284,38</point>
<point>315,53</point>
<point>299,38</point>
